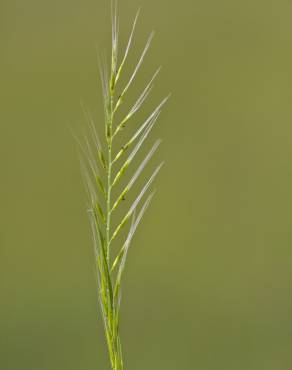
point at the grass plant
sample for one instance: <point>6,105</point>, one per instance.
<point>104,168</point>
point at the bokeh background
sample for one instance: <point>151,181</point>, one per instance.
<point>208,281</point>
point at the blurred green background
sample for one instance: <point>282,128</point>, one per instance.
<point>208,281</point>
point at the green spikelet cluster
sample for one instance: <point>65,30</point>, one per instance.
<point>103,168</point>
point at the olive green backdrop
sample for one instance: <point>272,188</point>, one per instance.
<point>208,281</point>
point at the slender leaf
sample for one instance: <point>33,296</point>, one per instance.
<point>136,175</point>
<point>148,43</point>
<point>132,155</point>
<point>135,203</point>
<point>117,290</point>
<point>128,46</point>
<point>139,101</point>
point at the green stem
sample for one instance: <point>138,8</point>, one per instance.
<point>108,197</point>
<point>113,341</point>
<point>109,138</point>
